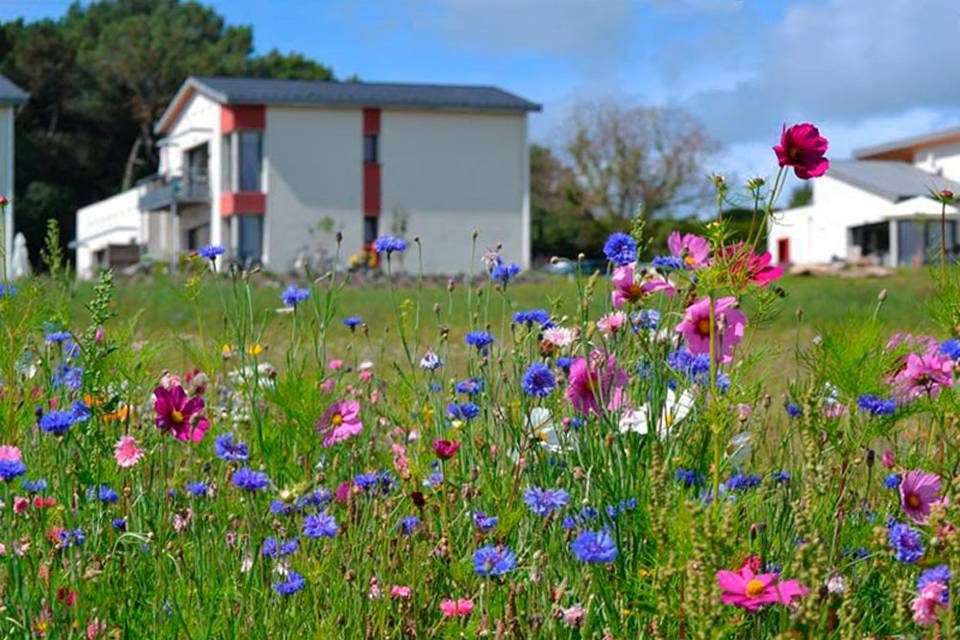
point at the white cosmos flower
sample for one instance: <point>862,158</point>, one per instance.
<point>541,424</point>
<point>739,448</point>
<point>675,409</point>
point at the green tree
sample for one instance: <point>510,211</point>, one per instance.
<point>290,66</point>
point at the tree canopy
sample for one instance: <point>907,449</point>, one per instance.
<point>99,77</point>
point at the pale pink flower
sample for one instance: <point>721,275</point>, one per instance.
<point>170,380</point>
<point>630,285</point>
<point>328,385</point>
<point>611,322</point>
<point>574,616</point>
<point>456,608</point>
<point>929,604</point>
<point>335,365</point>
<point>693,249</point>
<point>9,453</point>
<point>126,452</point>
<point>400,593</point>
<point>887,458</point>
<point>729,326</point>
<point>340,422</point>
<point>20,504</point>
<point>559,337</point>
<point>924,375</point>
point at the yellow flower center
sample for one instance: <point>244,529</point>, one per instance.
<point>690,260</point>
<point>913,500</point>
<point>176,416</point>
<point>337,420</point>
<point>703,327</point>
<point>754,588</point>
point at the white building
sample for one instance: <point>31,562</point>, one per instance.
<point>877,206</point>
<point>272,169</point>
<point>11,97</point>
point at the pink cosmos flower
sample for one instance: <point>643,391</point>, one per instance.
<point>803,148</point>
<point>179,414</point>
<point>629,285</point>
<point>748,266</point>
<point>887,458</point>
<point>694,249</point>
<point>10,454</point>
<point>749,591</point>
<point>445,449</point>
<point>20,504</point>
<point>559,337</point>
<point>728,332</point>
<point>918,491</point>
<point>126,452</point>
<point>340,422</point>
<point>611,322</point>
<point>401,593</point>
<point>460,607</point>
<point>598,381</point>
<point>335,365</point>
<point>924,375</point>
<point>929,604</point>
<point>574,616</point>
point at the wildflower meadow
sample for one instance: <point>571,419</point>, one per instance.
<point>521,472</point>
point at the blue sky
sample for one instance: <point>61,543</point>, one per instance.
<point>864,70</point>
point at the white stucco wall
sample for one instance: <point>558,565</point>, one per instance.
<point>116,220</point>
<point>943,158</point>
<point>453,173</point>
<point>6,179</point>
<point>313,163</point>
<point>818,233</point>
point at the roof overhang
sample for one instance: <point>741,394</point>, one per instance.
<point>905,148</point>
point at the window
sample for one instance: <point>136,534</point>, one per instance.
<point>371,144</point>
<point>249,240</point>
<point>250,161</point>
<point>226,163</point>
<point>370,230</point>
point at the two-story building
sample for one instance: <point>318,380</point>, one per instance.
<point>877,206</point>
<point>11,97</point>
<point>272,169</point>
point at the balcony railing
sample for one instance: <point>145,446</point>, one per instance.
<point>162,193</point>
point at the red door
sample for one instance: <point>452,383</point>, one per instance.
<point>783,251</point>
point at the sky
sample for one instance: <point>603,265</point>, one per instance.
<point>864,71</point>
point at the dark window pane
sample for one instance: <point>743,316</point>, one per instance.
<point>250,161</point>
<point>250,240</point>
<point>370,229</point>
<point>370,148</point>
<point>226,163</point>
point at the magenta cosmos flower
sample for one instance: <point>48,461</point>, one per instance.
<point>803,148</point>
<point>630,285</point>
<point>340,422</point>
<point>750,267</point>
<point>918,491</point>
<point>693,249</point>
<point>924,375</point>
<point>748,591</point>
<point>728,330</point>
<point>596,382</point>
<point>179,414</point>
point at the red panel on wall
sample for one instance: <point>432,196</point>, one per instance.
<point>242,202</point>
<point>371,189</point>
<point>371,122</point>
<point>249,117</point>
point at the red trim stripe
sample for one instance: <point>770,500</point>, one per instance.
<point>371,189</point>
<point>248,117</point>
<point>371,122</point>
<point>242,202</point>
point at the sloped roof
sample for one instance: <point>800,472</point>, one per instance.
<point>11,93</point>
<point>903,148</point>
<point>347,94</point>
<point>892,180</point>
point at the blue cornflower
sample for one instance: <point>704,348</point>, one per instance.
<point>281,508</point>
<point>780,476</point>
<point>104,493</point>
<point>67,376</point>
<point>34,486</point>
<point>538,380</point>
<point>293,295</point>
<point>695,367</point>
<point>471,386</point>
<point>435,387</point>
<point>431,361</point>
<point>951,348</point>
<point>463,410</point>
<point>7,291</point>
<point>491,561</point>
<point>689,477</point>
<point>211,251</point>
<point>504,272</point>
<point>483,522</point>
<point>480,339</point>
<point>892,481</point>
<point>365,480</point>
<point>79,411</point>
<point>539,316</point>
<point>742,482</point>
<point>74,538</point>
<point>58,336</point>
<point>794,410</point>
<point>271,548</point>
<point>620,249</point>
<point>876,405</point>
<point>228,450</point>
<point>594,546</point>
<point>10,469</point>
<point>321,525</point>
<point>389,244</point>
<point>409,524</point>
<point>434,480</point>
<point>57,422</point>
<point>564,362</point>
<point>859,553</point>
<point>906,543</point>
<point>668,263</point>
<point>70,349</point>
<point>197,489</point>
<point>646,319</point>
<point>247,478</point>
<point>352,322</point>
<point>120,524</point>
<point>293,583</point>
<point>939,574</point>
<point>543,501</point>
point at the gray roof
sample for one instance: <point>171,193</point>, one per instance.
<point>911,141</point>
<point>11,93</point>
<point>890,179</point>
